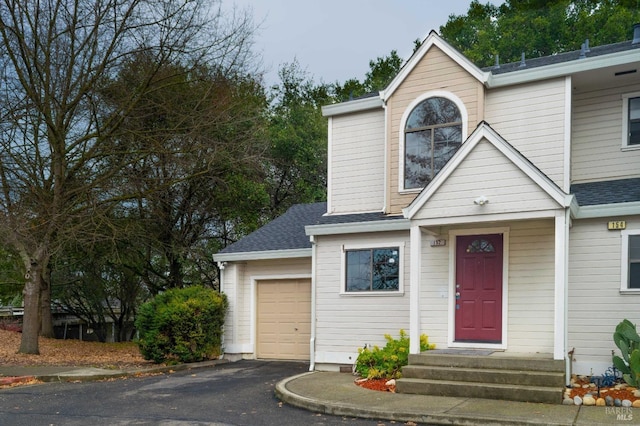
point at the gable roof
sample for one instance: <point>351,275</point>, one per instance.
<point>433,39</point>
<point>282,237</point>
<point>485,132</point>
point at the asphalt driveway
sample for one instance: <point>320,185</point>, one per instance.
<point>240,393</point>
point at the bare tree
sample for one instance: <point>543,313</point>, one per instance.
<point>59,144</point>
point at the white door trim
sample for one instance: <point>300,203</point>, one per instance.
<point>452,286</point>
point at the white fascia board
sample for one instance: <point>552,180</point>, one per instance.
<point>433,39</point>
<point>358,227</point>
<point>562,69</point>
<point>262,255</point>
<point>607,210</point>
<point>352,106</point>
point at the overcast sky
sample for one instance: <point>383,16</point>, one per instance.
<point>334,40</point>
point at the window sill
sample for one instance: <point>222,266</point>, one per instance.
<point>410,191</point>
<point>372,293</point>
<point>630,148</point>
<point>630,291</point>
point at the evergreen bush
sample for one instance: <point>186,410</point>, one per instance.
<point>182,325</point>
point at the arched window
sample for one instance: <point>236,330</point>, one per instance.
<point>432,135</point>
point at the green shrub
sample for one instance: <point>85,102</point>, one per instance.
<point>387,362</point>
<point>182,325</point>
<point>627,340</point>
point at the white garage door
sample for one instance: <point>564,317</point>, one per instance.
<point>284,319</point>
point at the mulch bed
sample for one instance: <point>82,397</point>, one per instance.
<point>627,393</point>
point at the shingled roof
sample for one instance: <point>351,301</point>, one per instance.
<point>575,55</point>
<point>286,232</point>
<point>607,192</point>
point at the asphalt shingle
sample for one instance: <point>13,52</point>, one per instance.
<point>607,192</point>
<point>286,232</point>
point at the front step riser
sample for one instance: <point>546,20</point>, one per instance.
<point>466,390</point>
<point>490,363</point>
<point>523,378</point>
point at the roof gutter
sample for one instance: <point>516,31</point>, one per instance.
<point>562,69</point>
<point>262,255</point>
<point>607,210</point>
<point>358,227</point>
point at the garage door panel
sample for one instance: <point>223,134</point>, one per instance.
<point>284,319</point>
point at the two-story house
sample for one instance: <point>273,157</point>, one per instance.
<point>491,209</point>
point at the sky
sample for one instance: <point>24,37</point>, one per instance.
<point>334,40</point>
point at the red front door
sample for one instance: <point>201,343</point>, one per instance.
<point>478,293</point>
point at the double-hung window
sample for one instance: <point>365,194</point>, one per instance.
<point>372,270</point>
<point>631,260</point>
<point>631,121</point>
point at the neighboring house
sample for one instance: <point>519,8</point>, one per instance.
<point>487,208</point>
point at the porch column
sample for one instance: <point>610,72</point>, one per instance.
<point>414,289</point>
<point>561,288</point>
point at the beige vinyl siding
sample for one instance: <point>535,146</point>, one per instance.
<point>530,287</point>
<point>436,71</point>
<point>357,162</point>
<point>486,171</point>
<point>596,305</point>
<point>240,317</point>
<point>531,117</point>
<point>346,322</point>
<point>597,136</point>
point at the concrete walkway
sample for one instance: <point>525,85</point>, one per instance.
<point>336,393</point>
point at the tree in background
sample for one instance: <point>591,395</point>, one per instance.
<point>296,167</point>
<point>202,132</point>
<point>538,27</point>
<point>61,145</point>
<point>381,71</point>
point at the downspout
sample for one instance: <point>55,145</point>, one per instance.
<point>386,184</point>
<point>312,340</point>
<point>221,266</point>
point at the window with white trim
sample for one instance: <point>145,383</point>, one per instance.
<point>631,260</point>
<point>372,270</point>
<point>432,134</point>
<point>631,120</point>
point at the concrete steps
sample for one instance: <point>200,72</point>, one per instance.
<point>487,375</point>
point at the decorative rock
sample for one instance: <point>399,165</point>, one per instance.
<point>585,386</point>
<point>626,403</point>
<point>391,382</point>
<point>621,386</point>
<point>592,385</point>
<point>569,401</point>
<point>617,402</point>
<point>604,390</point>
<point>636,403</point>
<point>600,402</point>
<point>636,393</point>
<point>577,400</point>
<point>589,400</point>
<point>608,400</point>
<point>576,385</point>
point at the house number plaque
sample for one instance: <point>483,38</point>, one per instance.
<point>616,224</point>
<point>438,243</point>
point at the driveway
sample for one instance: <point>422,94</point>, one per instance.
<point>240,393</point>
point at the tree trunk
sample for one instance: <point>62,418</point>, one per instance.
<point>46,320</point>
<point>31,320</point>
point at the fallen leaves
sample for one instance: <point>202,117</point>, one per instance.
<point>70,353</point>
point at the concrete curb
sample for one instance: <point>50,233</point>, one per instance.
<point>342,408</point>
